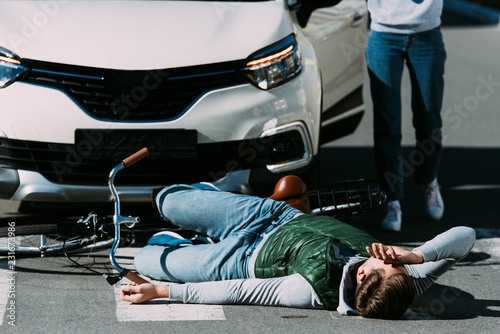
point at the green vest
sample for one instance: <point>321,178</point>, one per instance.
<point>304,245</point>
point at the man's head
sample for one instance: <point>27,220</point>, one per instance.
<point>383,290</point>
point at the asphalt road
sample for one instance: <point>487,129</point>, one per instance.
<point>54,296</point>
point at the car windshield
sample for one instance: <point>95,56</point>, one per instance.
<point>213,0</point>
<point>204,0</point>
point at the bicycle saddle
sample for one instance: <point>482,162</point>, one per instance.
<point>293,191</point>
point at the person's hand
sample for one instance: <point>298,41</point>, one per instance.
<point>395,254</point>
<point>142,293</point>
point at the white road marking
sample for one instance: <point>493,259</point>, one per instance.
<point>473,187</point>
<point>8,307</point>
<point>162,310</point>
<point>159,309</point>
<point>4,289</point>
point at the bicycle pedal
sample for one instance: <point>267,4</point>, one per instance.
<point>112,279</point>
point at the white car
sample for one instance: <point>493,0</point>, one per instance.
<point>245,91</point>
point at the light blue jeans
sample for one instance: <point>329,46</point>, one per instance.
<point>236,223</point>
<point>424,54</point>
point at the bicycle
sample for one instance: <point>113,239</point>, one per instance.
<point>341,199</point>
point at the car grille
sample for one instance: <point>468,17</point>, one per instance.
<point>62,164</point>
<point>134,95</point>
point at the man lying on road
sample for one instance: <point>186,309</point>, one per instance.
<point>266,252</point>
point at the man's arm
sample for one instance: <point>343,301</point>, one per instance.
<point>289,291</point>
<point>440,254</point>
<point>395,254</point>
<point>425,264</point>
<point>455,244</point>
<point>142,293</point>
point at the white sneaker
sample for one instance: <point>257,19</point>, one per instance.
<point>169,238</point>
<point>433,201</point>
<point>392,220</point>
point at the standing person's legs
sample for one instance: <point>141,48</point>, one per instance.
<point>426,59</point>
<point>385,61</point>
<point>233,221</point>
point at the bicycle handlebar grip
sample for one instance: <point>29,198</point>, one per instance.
<point>141,154</point>
<point>135,278</point>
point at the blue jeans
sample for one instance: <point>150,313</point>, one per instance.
<point>425,55</point>
<point>235,222</point>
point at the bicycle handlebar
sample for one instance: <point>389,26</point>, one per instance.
<point>139,155</point>
<point>133,277</point>
<point>118,219</point>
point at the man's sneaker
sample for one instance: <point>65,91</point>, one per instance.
<point>169,238</point>
<point>392,220</point>
<point>433,201</point>
<point>205,186</point>
<point>200,240</point>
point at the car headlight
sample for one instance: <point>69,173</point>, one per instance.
<point>274,65</point>
<point>11,67</point>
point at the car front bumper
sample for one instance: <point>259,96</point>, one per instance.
<point>63,177</point>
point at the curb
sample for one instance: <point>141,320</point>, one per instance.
<point>477,12</point>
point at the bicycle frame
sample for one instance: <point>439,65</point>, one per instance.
<point>118,220</point>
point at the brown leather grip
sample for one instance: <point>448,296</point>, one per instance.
<point>141,154</point>
<point>135,278</point>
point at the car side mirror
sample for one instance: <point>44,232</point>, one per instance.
<point>304,8</point>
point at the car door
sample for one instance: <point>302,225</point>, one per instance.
<point>339,35</point>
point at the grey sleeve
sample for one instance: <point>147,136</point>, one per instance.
<point>289,291</point>
<point>440,254</point>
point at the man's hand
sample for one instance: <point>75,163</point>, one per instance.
<point>395,254</point>
<point>142,293</point>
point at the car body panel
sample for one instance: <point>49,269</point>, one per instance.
<point>151,35</point>
<point>338,35</point>
<point>140,34</point>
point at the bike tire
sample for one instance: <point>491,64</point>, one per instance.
<point>19,230</point>
<point>25,240</point>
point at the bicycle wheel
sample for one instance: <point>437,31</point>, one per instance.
<point>43,239</point>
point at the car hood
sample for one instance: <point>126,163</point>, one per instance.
<point>140,34</point>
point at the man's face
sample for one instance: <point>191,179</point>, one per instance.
<point>372,264</point>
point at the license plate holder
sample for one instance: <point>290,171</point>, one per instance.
<point>164,143</point>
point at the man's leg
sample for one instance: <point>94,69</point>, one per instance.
<point>233,221</point>
<point>385,60</point>
<point>199,263</point>
<point>218,214</point>
<point>426,65</point>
